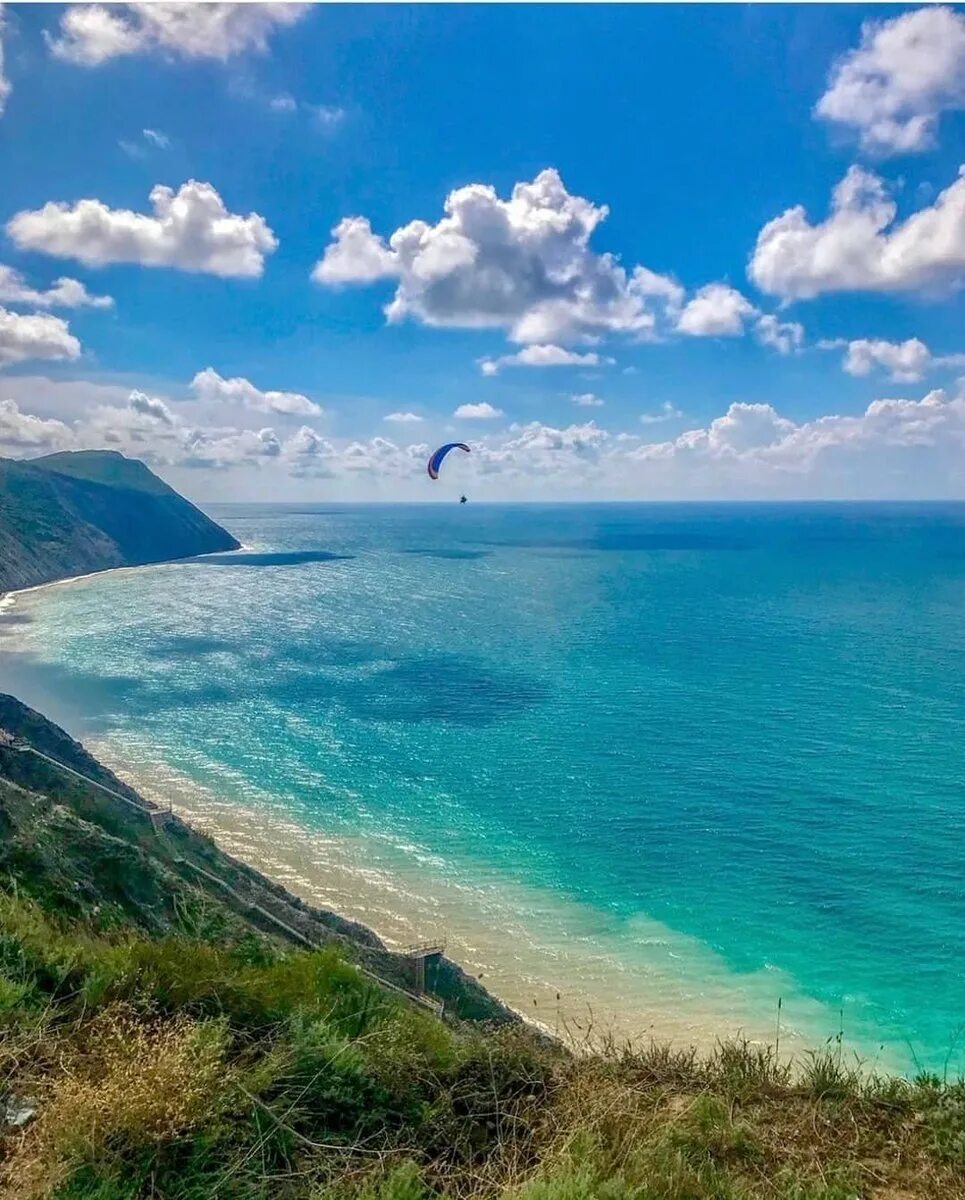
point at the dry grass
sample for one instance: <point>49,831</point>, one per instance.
<point>120,1081</point>
<point>179,1070</point>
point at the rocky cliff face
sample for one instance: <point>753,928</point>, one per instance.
<point>73,513</point>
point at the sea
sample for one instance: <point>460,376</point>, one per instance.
<point>673,771</point>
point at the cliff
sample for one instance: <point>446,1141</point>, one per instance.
<point>90,510</point>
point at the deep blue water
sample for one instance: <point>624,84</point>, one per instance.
<point>746,722</point>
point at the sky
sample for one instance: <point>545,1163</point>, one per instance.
<point>281,252</point>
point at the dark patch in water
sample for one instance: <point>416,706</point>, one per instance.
<point>629,541</point>
<point>15,618</point>
<point>451,553</point>
<point>187,645</point>
<point>276,558</point>
<point>436,688</point>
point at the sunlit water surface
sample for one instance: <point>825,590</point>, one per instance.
<point>670,762</point>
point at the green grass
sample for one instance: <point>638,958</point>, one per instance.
<point>189,1067</point>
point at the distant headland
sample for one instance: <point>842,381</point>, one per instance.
<point>82,511</point>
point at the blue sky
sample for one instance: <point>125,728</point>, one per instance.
<point>693,127</point>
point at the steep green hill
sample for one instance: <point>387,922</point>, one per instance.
<point>73,513</point>
<point>174,1026</point>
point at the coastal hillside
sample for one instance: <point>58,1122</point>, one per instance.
<point>173,1025</point>
<point>90,510</point>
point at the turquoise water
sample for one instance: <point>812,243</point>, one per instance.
<point>742,724</point>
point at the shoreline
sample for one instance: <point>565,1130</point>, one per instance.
<point>569,980</point>
<point>9,598</point>
<point>560,965</point>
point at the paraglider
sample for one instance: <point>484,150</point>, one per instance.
<point>435,460</point>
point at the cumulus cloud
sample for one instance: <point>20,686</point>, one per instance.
<point>860,246</point>
<point>20,431</point>
<point>356,255</point>
<point>92,34</point>
<point>151,406</point>
<point>715,311</point>
<point>209,385</point>
<point>541,453</point>
<point>229,448</point>
<point>895,447</point>
<point>477,412</point>
<point>543,356</point>
<point>587,400</point>
<point>905,361</point>
<point>783,336</point>
<point>189,229</point>
<point>62,293</point>
<point>402,418</point>
<point>893,88</point>
<point>523,264</point>
<point>5,87</point>
<point>25,336</point>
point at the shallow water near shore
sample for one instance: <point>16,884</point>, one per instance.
<point>671,762</point>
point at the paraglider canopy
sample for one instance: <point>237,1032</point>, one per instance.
<point>435,460</point>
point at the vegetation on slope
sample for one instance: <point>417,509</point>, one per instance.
<point>73,513</point>
<point>158,1041</point>
<point>199,1065</point>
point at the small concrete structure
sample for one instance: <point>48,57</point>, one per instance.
<point>418,955</point>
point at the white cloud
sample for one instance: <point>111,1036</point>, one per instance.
<point>666,412</point>
<point>355,256</point>
<point>5,87</point>
<point>62,293</point>
<point>151,406</point>
<point>209,385</point>
<point>92,34</point>
<point>326,116</point>
<point>402,418</point>
<point>229,448</point>
<point>783,336</point>
<point>382,459</point>
<point>895,447</point>
<point>907,71</point>
<point>543,356</point>
<point>283,102</point>
<point>522,264</point>
<point>860,247</point>
<point>587,400</point>
<point>477,412</point>
<point>190,229</point>
<point>151,139</point>
<point>905,361</point>
<point>715,311</point>
<point>24,336</point>
<point>23,431</point>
